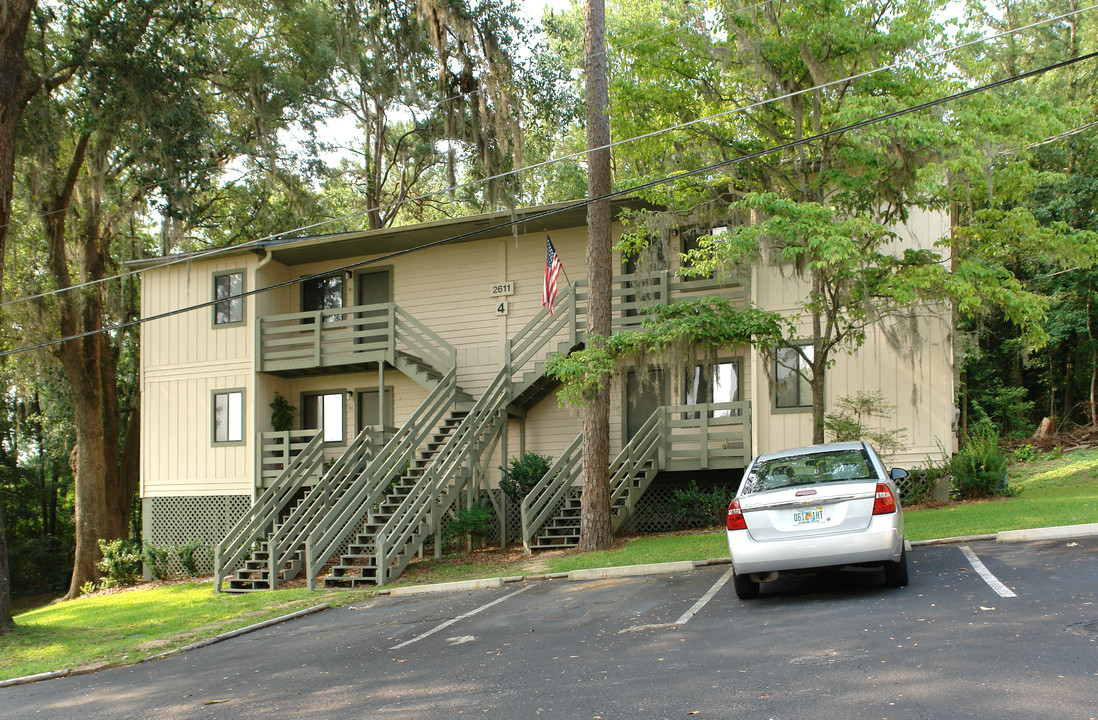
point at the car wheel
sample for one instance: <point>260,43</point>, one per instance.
<point>896,572</point>
<point>746,588</point>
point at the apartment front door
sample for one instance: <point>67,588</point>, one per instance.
<point>369,409</point>
<point>642,396</point>
<point>372,287</point>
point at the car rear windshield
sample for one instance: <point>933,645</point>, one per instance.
<point>823,467</point>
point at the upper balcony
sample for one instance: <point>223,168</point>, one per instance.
<point>357,338</point>
<point>633,292</point>
<point>346,339</point>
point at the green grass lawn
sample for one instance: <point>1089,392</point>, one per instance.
<point>124,627</point>
<point>1051,491</point>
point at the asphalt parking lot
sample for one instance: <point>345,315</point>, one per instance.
<point>999,631</point>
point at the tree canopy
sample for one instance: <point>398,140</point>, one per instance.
<point>131,128</point>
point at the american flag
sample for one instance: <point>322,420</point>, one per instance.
<point>552,269</point>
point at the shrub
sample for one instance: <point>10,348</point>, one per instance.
<point>473,523</point>
<point>188,557</point>
<point>121,562</point>
<point>156,560</point>
<point>522,474</point>
<point>979,469</point>
<point>693,507</point>
<point>921,482</point>
<point>1026,453</point>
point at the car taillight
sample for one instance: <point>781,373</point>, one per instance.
<point>735,517</point>
<point>884,503</point>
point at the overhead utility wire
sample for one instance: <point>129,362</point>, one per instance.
<point>576,205</point>
<point>1052,138</point>
<point>358,213</point>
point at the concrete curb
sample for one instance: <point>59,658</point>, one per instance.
<point>240,631</point>
<point>952,540</point>
<point>631,570</point>
<point>202,643</point>
<point>1052,533</point>
<point>458,586</point>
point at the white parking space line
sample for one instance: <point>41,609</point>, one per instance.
<point>694,610</point>
<point>469,614</point>
<point>983,572</point>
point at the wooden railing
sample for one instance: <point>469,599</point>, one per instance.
<point>449,472</point>
<point>275,452</point>
<point>633,293</point>
<point>347,512</point>
<point>265,511</point>
<point>674,437</point>
<point>346,336</point>
<point>345,472</point>
<point>540,504</point>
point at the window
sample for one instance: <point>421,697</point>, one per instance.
<point>228,416</point>
<point>228,303</point>
<point>791,388</point>
<point>324,411</point>
<point>719,384</point>
<point>324,293</point>
<point>691,237</point>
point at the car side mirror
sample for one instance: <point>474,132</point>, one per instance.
<point>897,473</point>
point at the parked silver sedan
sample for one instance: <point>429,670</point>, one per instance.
<point>820,506</point>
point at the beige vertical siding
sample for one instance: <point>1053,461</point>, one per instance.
<point>184,359</point>
<point>914,374</point>
<point>447,288</point>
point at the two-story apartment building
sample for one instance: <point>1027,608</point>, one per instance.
<point>416,369</point>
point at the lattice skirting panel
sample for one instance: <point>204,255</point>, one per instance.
<point>652,516</point>
<point>173,521</point>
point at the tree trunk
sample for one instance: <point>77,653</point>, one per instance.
<point>90,364</point>
<point>596,529</point>
<point>15,92</point>
<point>130,472</point>
<point>819,367</point>
<point>5,584</point>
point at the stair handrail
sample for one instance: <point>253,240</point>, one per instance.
<point>430,499</point>
<point>462,444</point>
<point>352,506</point>
<point>543,497</point>
<point>340,476</point>
<point>643,447</point>
<point>536,334</point>
<point>425,343</point>
<point>264,512</point>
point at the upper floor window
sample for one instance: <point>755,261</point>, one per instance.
<point>792,372</point>
<point>323,293</point>
<point>324,412</point>
<point>717,383</point>
<point>228,416</point>
<point>691,241</point>
<point>228,298</point>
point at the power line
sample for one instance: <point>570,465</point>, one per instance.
<point>571,156</point>
<point>578,204</point>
